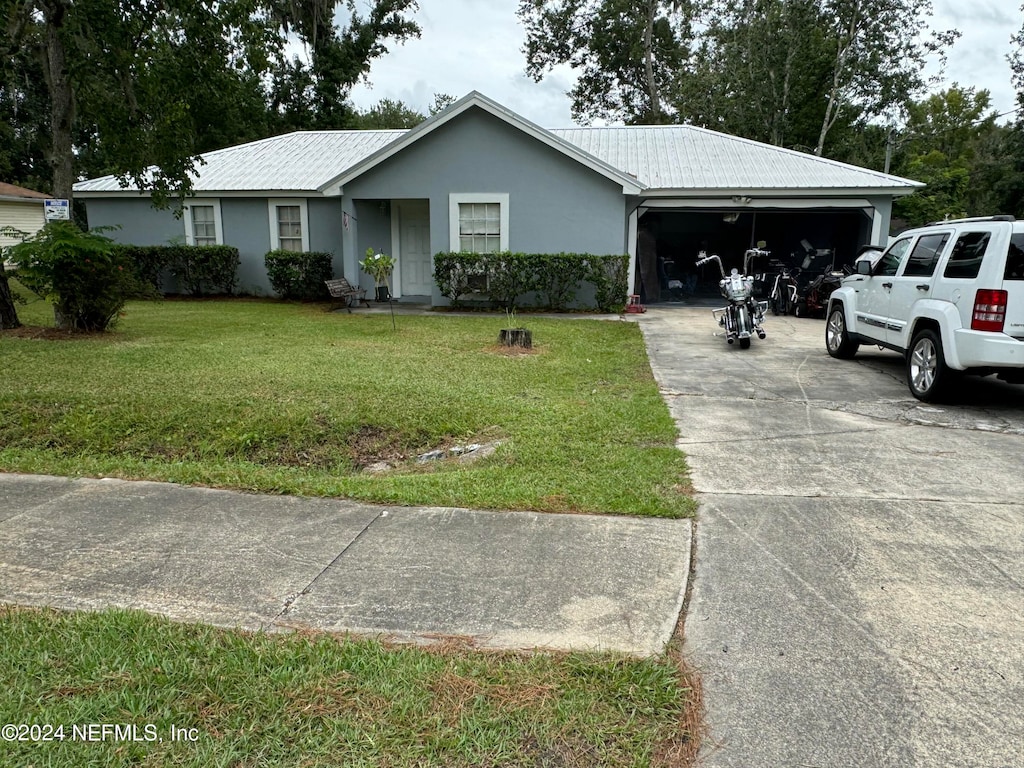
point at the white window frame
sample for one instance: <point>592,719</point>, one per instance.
<point>272,205</point>
<point>456,198</point>
<point>190,236</point>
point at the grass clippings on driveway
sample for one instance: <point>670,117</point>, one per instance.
<point>243,699</point>
<point>286,398</point>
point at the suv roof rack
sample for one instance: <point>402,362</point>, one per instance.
<point>998,217</point>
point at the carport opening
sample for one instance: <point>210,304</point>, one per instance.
<point>668,242</point>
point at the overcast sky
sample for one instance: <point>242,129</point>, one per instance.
<point>471,45</point>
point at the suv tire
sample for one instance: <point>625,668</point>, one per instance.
<point>927,374</point>
<point>837,337</point>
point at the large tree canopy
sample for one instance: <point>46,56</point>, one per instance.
<point>789,72</point>
<point>627,52</point>
<point>760,71</point>
<point>946,144</point>
<point>153,83</point>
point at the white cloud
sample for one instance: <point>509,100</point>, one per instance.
<point>471,45</point>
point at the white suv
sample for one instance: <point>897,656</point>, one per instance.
<point>948,296</point>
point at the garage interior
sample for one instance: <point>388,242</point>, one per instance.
<point>811,240</point>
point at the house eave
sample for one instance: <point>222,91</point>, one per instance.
<point>755,193</point>
<point>202,193</point>
<point>23,200</point>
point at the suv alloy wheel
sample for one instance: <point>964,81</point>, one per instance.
<point>927,373</point>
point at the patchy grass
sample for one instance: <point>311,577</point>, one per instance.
<point>287,398</point>
<point>320,700</point>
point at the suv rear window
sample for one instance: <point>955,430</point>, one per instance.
<point>1015,258</point>
<point>969,250</point>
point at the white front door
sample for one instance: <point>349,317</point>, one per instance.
<point>414,248</point>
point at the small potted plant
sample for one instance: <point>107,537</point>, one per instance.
<point>379,266</point>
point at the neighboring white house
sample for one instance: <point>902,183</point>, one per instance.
<point>21,209</point>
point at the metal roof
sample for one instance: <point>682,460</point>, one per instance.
<point>664,160</point>
<point>293,162</point>
<point>682,157</point>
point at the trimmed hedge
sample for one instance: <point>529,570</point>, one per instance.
<point>299,276</point>
<point>554,278</point>
<point>199,268</point>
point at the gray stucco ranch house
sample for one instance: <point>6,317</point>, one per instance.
<point>478,177</point>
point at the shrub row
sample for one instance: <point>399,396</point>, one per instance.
<point>299,276</point>
<point>199,268</point>
<point>554,278</point>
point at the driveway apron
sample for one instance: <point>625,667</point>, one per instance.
<point>859,558</point>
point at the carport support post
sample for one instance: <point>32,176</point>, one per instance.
<point>631,231</point>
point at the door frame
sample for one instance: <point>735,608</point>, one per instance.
<point>396,238</point>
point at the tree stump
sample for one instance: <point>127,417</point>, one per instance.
<point>515,337</point>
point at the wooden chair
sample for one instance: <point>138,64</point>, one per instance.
<point>343,289</point>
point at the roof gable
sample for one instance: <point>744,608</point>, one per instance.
<point>477,100</point>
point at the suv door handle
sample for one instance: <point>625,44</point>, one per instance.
<point>923,287</point>
<point>887,285</point>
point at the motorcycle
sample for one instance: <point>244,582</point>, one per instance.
<point>743,315</point>
<point>814,298</point>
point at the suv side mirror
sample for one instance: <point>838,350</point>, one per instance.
<point>864,267</point>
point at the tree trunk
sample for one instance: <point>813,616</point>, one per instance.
<point>62,102</point>
<point>839,74</point>
<point>652,85</point>
<point>8,314</point>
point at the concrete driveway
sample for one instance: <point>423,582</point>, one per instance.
<point>859,589</point>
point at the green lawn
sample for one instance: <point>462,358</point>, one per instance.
<point>288,398</point>
<point>236,699</point>
<point>292,399</point>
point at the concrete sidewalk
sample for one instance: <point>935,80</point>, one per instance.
<point>504,579</point>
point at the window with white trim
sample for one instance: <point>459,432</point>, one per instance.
<point>202,222</point>
<point>478,222</point>
<point>480,227</point>
<point>204,228</point>
<point>289,225</point>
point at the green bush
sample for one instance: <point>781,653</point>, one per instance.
<point>555,278</point>
<point>610,278</point>
<point>454,274</point>
<point>199,268</point>
<point>509,276</point>
<point>148,263</point>
<point>558,278</point>
<point>81,273</point>
<point>299,276</point>
<point>205,268</point>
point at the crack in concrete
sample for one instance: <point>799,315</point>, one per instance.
<point>788,436</point>
<point>290,601</point>
<point>899,412</point>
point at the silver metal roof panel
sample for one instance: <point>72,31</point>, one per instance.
<point>663,159</point>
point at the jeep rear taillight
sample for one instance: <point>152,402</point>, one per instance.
<point>989,310</point>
